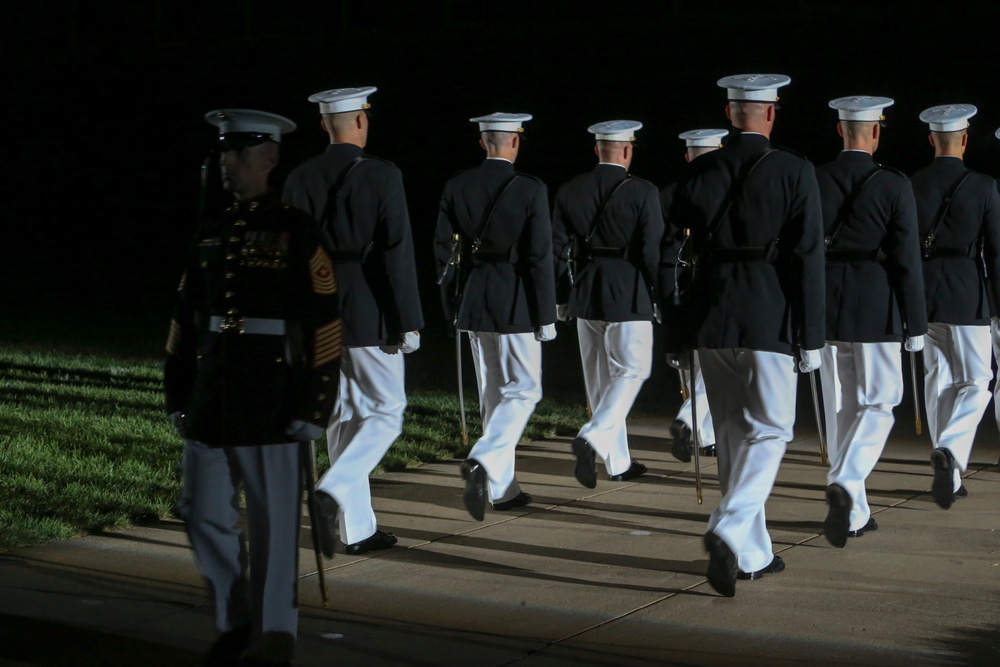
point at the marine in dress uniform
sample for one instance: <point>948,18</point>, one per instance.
<point>697,143</point>
<point>995,335</point>
<point>874,300</point>
<point>251,372</point>
<point>360,204</point>
<point>961,247</point>
<point>606,230</point>
<point>755,303</point>
<point>499,219</point>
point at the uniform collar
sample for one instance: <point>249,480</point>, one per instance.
<point>350,150</point>
<point>266,200</point>
<point>500,164</point>
<point>752,140</point>
<point>856,156</point>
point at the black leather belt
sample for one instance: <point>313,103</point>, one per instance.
<point>246,325</point>
<point>480,257</point>
<point>852,255</point>
<point>737,255</point>
<point>611,253</point>
<point>947,253</point>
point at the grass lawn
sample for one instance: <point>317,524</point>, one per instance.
<point>85,445</point>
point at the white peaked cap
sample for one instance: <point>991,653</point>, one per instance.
<point>754,87</point>
<point>703,138</point>
<point>342,100</point>
<point>948,117</point>
<point>499,121</point>
<point>860,107</point>
<point>231,121</point>
<point>615,130</point>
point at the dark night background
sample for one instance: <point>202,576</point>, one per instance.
<point>104,104</point>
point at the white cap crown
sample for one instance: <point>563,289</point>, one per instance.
<point>499,121</point>
<point>250,121</point>
<point>710,138</point>
<point>861,107</point>
<point>342,100</point>
<point>615,130</point>
<point>948,117</point>
<point>754,87</point>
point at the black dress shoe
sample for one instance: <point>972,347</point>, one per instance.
<point>721,566</point>
<point>228,648</point>
<point>962,492</point>
<point>475,488</point>
<point>635,470</point>
<point>520,500</point>
<point>325,509</point>
<point>708,451</point>
<point>838,518</point>
<point>774,567</point>
<point>943,487</point>
<point>378,540</point>
<point>586,465</point>
<point>869,527</point>
<point>681,433</point>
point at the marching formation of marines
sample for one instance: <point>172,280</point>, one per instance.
<point>294,315</point>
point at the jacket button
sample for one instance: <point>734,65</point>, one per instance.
<point>317,415</point>
<point>321,397</point>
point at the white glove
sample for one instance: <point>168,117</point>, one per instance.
<point>913,343</point>
<point>177,421</point>
<point>678,360</point>
<point>657,315</point>
<point>809,361</point>
<point>547,332</point>
<point>301,431</point>
<point>562,311</point>
<point>410,342</point>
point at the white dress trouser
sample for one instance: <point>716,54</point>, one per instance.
<point>617,358</point>
<point>509,377</point>
<point>957,375</point>
<point>367,418</point>
<point>862,383</point>
<point>752,397</point>
<point>271,476</point>
<point>696,391</point>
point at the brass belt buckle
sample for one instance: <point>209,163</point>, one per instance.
<point>232,323</point>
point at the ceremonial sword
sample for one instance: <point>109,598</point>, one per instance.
<point>309,468</point>
<point>695,435</point>
<point>916,395</point>
<point>821,425</point>
<point>461,391</point>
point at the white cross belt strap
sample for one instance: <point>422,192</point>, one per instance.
<point>247,325</point>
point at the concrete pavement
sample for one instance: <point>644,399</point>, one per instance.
<point>609,576</point>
